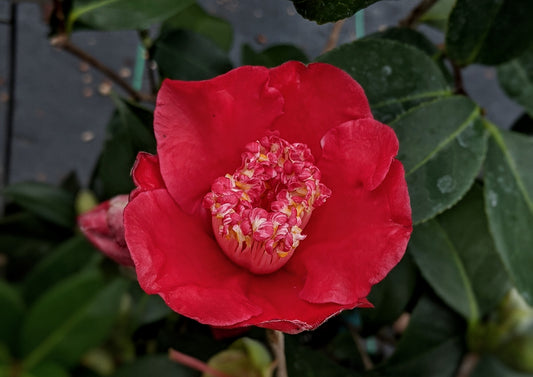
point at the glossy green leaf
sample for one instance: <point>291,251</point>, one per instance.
<point>437,16</point>
<point>432,345</point>
<point>66,259</point>
<point>509,204</point>
<point>395,76</point>
<point>442,146</point>
<point>331,10</point>
<point>155,365</point>
<point>489,366</point>
<point>70,318</point>
<point>195,18</point>
<point>122,14</point>
<point>272,56</point>
<point>457,256</point>
<point>516,78</point>
<point>128,132</point>
<point>11,313</point>
<point>184,55</point>
<point>419,40</point>
<point>489,32</point>
<point>391,296</point>
<point>48,202</point>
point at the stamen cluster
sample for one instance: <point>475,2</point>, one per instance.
<point>269,199</point>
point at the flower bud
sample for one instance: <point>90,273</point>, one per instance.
<point>104,228</point>
<point>244,358</point>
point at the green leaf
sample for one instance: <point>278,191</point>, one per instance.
<point>66,259</point>
<point>331,10</point>
<point>457,256</point>
<point>122,14</point>
<point>431,346</point>
<point>489,32</point>
<point>181,54</point>
<point>49,202</point>
<point>509,204</point>
<point>195,18</point>
<point>272,56</point>
<point>391,296</point>
<point>489,366</point>
<point>11,314</point>
<point>155,365</point>
<point>395,76</point>
<point>416,39</point>
<point>437,16</point>
<point>70,318</point>
<point>128,132</point>
<point>442,146</point>
<point>516,78</point>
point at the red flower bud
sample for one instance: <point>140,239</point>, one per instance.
<point>104,227</point>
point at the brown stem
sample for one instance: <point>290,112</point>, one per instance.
<point>194,363</point>
<point>458,80</point>
<point>334,36</point>
<point>468,364</point>
<point>277,344</point>
<point>416,13</point>
<point>64,43</point>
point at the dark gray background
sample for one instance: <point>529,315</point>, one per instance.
<point>61,117</point>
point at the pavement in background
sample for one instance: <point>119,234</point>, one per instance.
<point>61,115</point>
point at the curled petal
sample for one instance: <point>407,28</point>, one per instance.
<point>146,174</point>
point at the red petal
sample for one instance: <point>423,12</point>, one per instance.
<point>146,174</point>
<point>175,258</point>
<point>317,97</point>
<point>359,152</point>
<point>360,235</point>
<point>202,127</point>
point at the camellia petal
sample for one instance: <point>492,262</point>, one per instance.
<point>314,103</point>
<point>360,235</point>
<point>146,174</point>
<point>175,258</point>
<point>201,128</point>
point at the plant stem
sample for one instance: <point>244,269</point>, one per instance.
<point>277,345</point>
<point>64,43</point>
<point>334,36</point>
<point>194,363</point>
<point>458,80</point>
<point>416,13</point>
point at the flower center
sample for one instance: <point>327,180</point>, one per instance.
<point>259,212</point>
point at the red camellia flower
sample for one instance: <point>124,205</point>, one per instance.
<point>274,200</point>
<point>104,227</point>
